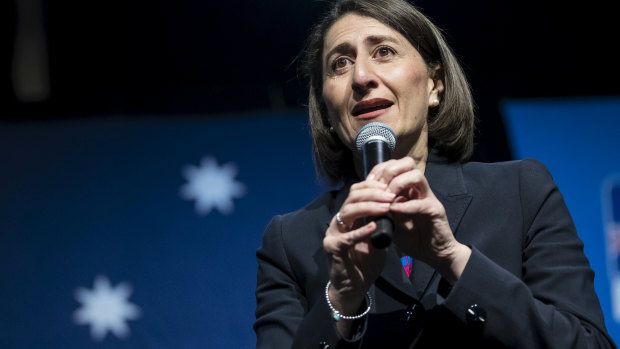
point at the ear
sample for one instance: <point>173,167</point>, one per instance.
<point>435,86</point>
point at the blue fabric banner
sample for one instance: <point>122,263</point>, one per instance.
<point>123,233</point>
<point>578,141</point>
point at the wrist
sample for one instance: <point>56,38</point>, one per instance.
<point>345,300</point>
<point>454,262</point>
<point>347,310</point>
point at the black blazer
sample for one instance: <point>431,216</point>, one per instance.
<point>527,284</point>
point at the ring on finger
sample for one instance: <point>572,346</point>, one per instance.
<point>338,219</point>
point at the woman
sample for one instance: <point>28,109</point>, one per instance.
<point>496,260</point>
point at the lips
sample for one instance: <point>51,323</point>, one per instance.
<point>370,105</point>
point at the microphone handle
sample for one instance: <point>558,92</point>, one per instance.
<point>376,152</point>
<point>382,237</point>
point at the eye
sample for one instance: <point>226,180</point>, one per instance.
<point>384,52</point>
<point>340,63</point>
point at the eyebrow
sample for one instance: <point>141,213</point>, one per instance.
<point>377,39</point>
<point>344,47</point>
<point>369,40</point>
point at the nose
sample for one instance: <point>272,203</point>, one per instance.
<point>364,77</point>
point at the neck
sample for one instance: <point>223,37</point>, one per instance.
<point>419,152</point>
<point>417,149</point>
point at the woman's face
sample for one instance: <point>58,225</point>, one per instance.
<point>371,73</point>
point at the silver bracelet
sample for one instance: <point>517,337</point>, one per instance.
<point>336,314</point>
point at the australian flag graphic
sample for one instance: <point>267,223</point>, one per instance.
<point>141,232</point>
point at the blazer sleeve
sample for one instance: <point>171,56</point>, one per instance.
<point>285,318</point>
<point>553,304</point>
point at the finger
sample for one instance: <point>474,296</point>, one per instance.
<point>429,206</point>
<point>410,206</point>
<point>370,195</point>
<point>369,182</point>
<point>340,243</point>
<point>412,182</point>
<point>352,212</point>
<point>386,171</point>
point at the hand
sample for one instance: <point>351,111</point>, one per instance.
<point>420,222</point>
<point>354,263</point>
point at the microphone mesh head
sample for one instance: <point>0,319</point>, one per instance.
<point>375,131</point>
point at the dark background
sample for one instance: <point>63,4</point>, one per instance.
<point>180,57</point>
<point>139,90</point>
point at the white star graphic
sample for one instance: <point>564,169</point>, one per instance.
<point>105,308</point>
<point>212,186</point>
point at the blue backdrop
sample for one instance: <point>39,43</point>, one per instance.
<point>118,232</point>
<point>578,141</point>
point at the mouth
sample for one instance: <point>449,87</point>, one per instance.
<point>371,105</point>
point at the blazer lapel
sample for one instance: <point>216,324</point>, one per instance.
<point>394,273</point>
<point>448,185</point>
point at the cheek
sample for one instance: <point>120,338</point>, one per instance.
<point>416,79</point>
<point>331,98</point>
<point>410,77</point>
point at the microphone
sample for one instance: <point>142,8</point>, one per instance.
<point>376,141</point>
